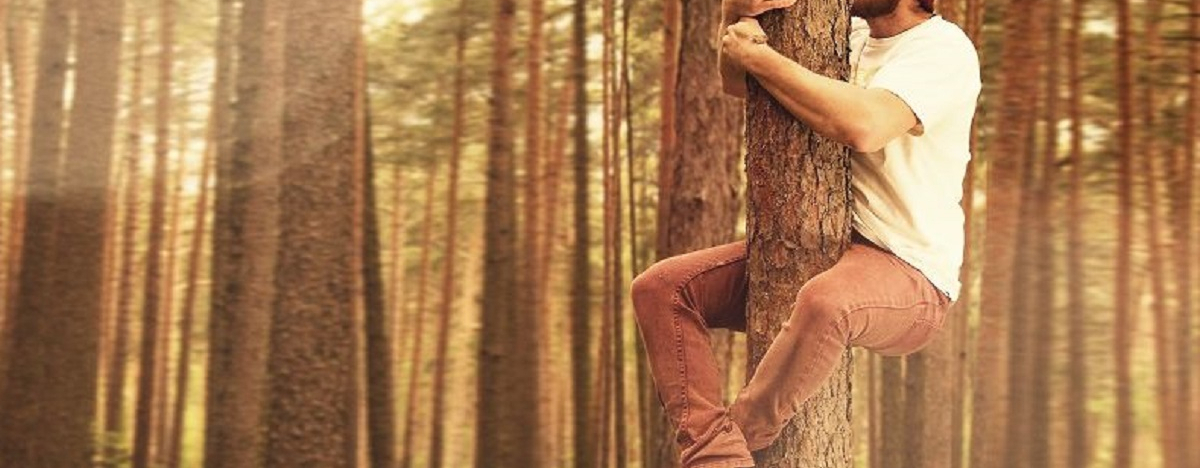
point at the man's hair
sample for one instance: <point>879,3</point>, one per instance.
<point>926,5</point>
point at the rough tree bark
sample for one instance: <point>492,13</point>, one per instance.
<point>798,223</point>
<point>312,397</point>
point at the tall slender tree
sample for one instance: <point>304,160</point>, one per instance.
<point>1122,334</point>
<point>114,394</point>
<point>508,429</point>
<point>781,148</point>
<point>245,230</point>
<point>446,300</point>
<point>1077,439</point>
<point>144,437</point>
<point>580,291</point>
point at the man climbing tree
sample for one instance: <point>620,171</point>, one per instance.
<point>868,241</point>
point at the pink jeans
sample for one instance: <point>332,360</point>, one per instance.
<point>870,298</point>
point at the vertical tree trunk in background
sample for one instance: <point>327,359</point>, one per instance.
<point>962,311</point>
<point>1021,364</point>
<point>580,291</point>
<point>174,445</point>
<point>1123,335</point>
<point>699,173</point>
<point>5,254</point>
<point>893,435</point>
<point>446,300</point>
<point>622,432</point>
<point>416,361</point>
<point>114,394</point>
<point>1077,425</point>
<point>550,224</point>
<point>788,244</point>
<point>144,437</point>
<point>85,194</point>
<point>46,409</point>
<point>396,297</point>
<point>381,404</point>
<point>658,449</point>
<point>1044,314</point>
<point>1184,255</point>
<point>311,399</point>
<point>21,62</point>
<point>508,426</point>
<point>245,232</point>
<point>50,409</point>
<point>1150,149</point>
<point>608,308</point>
<point>162,373</point>
<point>989,441</point>
<point>530,294</point>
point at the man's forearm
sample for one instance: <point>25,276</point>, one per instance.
<point>835,109</point>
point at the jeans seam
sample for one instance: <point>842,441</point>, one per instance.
<point>677,304</point>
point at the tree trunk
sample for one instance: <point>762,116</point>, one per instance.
<point>789,243</point>
<point>1044,314</point>
<point>508,427</point>
<point>580,291</point>
<point>144,437</point>
<point>162,373</point>
<point>894,427</point>
<point>245,233</point>
<point>1123,335</point>
<point>961,312</point>
<point>114,423</point>
<point>989,441</point>
<point>1148,145</point>
<point>1184,253</point>
<point>446,301</point>
<point>22,66</point>
<point>1077,438</point>
<point>312,377</point>
<point>174,445</point>
<point>49,410</point>
<point>417,362</point>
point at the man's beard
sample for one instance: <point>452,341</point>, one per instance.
<point>867,9</point>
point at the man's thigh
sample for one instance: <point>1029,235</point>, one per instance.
<point>879,302</point>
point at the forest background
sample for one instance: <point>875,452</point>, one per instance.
<point>257,232</point>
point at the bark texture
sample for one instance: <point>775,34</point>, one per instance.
<point>245,234</point>
<point>312,395</point>
<point>798,223</point>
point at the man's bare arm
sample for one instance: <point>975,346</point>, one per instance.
<point>864,119</point>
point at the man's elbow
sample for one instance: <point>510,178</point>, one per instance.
<point>863,138</point>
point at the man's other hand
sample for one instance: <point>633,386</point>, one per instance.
<point>742,40</point>
<point>737,8</point>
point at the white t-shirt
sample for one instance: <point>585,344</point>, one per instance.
<point>907,195</point>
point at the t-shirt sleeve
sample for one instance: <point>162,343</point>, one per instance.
<point>936,77</point>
